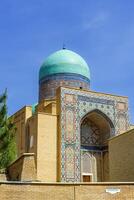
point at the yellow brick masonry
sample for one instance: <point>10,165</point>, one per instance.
<point>121,157</point>
<point>60,191</point>
<point>22,169</point>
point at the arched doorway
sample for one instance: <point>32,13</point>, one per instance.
<point>96,129</point>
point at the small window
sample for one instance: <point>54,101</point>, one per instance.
<point>87,178</point>
<point>31,141</point>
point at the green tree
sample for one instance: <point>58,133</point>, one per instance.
<point>7,135</point>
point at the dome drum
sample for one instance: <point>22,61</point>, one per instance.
<point>48,85</point>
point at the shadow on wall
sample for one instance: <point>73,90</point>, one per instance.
<point>23,169</point>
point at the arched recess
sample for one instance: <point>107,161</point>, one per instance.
<point>95,130</point>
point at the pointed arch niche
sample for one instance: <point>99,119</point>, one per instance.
<point>95,130</point>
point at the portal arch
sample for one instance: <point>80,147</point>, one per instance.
<point>95,130</point>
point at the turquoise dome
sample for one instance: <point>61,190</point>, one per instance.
<point>64,61</point>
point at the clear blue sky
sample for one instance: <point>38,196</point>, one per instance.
<point>101,31</point>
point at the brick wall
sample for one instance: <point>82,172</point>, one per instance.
<point>20,119</point>
<point>47,147</point>
<point>23,169</point>
<point>121,157</point>
<point>45,191</point>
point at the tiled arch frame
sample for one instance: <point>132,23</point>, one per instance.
<point>74,105</point>
<point>99,112</point>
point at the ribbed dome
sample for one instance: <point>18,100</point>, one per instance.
<point>64,61</point>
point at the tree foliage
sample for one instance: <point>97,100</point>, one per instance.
<point>7,135</point>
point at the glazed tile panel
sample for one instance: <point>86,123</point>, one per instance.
<point>75,104</point>
<point>49,84</point>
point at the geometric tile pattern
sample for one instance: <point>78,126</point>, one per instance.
<point>90,134</point>
<point>75,104</point>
